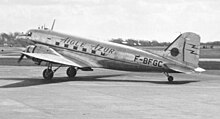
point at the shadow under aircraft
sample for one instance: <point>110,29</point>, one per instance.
<point>26,82</point>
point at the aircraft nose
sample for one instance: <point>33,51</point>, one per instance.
<point>21,36</point>
<point>24,39</point>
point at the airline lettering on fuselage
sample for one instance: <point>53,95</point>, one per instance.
<point>103,49</point>
<point>97,47</point>
<point>149,61</point>
<point>72,42</point>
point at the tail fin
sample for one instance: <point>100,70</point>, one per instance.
<point>185,49</point>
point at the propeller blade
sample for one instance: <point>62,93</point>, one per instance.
<point>19,60</point>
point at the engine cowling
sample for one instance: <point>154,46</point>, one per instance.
<point>30,49</point>
<point>38,49</point>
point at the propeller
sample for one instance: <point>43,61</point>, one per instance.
<point>21,57</point>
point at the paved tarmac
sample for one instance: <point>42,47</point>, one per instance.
<point>107,94</point>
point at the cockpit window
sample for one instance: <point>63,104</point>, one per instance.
<point>29,33</point>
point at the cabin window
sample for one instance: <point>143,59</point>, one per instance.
<point>75,47</point>
<point>57,43</point>
<point>66,45</point>
<point>84,49</point>
<point>102,53</point>
<point>93,51</point>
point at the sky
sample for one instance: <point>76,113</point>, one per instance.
<point>161,20</point>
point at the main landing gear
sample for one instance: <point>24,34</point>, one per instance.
<point>71,72</point>
<point>170,78</point>
<point>48,73</point>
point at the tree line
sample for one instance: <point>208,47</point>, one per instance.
<point>9,39</point>
<point>133,42</point>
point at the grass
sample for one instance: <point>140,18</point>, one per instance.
<point>10,51</point>
<point>210,53</point>
<point>13,62</point>
<point>210,65</point>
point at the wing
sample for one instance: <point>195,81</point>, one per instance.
<point>53,58</point>
<point>47,54</point>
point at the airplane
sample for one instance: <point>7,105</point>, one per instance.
<point>76,53</point>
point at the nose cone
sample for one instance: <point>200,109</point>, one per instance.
<point>24,39</point>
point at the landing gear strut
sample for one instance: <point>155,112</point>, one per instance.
<point>48,73</point>
<point>170,78</point>
<point>71,72</point>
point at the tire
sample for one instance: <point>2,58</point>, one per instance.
<point>48,74</point>
<point>170,79</point>
<point>71,72</point>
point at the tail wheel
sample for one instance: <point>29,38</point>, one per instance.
<point>48,74</point>
<point>170,78</point>
<point>71,72</point>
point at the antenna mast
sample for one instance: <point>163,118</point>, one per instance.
<point>53,24</point>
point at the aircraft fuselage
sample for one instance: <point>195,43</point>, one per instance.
<point>99,54</point>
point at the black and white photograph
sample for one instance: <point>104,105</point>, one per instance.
<point>109,59</point>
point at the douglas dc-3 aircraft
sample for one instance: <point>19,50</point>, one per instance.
<point>182,55</point>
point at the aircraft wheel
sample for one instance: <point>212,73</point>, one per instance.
<point>48,74</point>
<point>71,72</point>
<point>170,78</point>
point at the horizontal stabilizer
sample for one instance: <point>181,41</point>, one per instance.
<point>199,69</point>
<point>184,69</point>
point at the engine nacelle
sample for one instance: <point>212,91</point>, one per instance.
<point>38,49</point>
<point>30,49</point>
